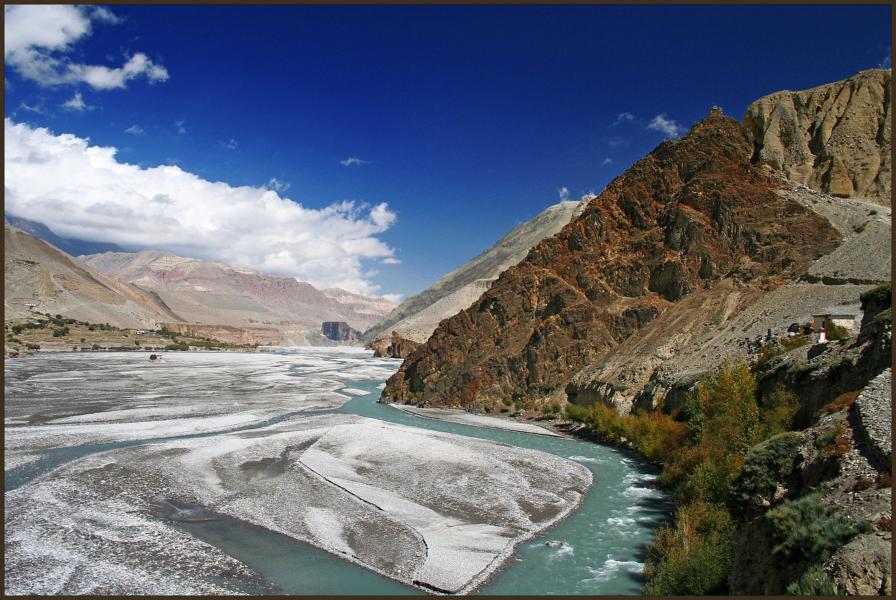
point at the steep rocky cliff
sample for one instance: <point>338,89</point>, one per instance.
<point>338,331</point>
<point>692,213</point>
<point>834,138</point>
<point>418,316</point>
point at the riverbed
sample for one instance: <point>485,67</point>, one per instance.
<point>206,399</point>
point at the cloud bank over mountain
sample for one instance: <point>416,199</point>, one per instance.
<point>82,191</point>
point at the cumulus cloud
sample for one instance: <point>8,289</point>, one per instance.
<point>83,191</point>
<point>351,161</point>
<point>563,192</point>
<point>134,129</point>
<point>181,129</point>
<point>38,39</point>
<point>391,261</point>
<point>623,117</point>
<point>76,102</point>
<point>276,185</point>
<point>606,161</point>
<point>665,125</point>
<point>230,144</point>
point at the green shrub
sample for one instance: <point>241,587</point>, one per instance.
<point>95,347</point>
<point>694,556</point>
<point>60,332</point>
<point>796,341</point>
<point>880,296</point>
<point>807,530</point>
<point>576,413</point>
<point>814,582</point>
<point>33,346</point>
<point>836,332</point>
<point>777,412</point>
<point>768,463</point>
<point>704,483</point>
<point>182,346</point>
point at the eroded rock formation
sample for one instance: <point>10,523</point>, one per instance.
<point>835,138</point>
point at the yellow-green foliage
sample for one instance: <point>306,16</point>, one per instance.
<point>694,555</point>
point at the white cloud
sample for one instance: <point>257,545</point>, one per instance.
<point>665,125</point>
<point>36,108</point>
<point>76,102</point>
<point>391,261</point>
<point>82,191</point>
<point>393,298</point>
<point>606,161</point>
<point>623,117</point>
<point>887,61</point>
<point>38,38</point>
<point>563,192</point>
<point>352,161</point>
<point>278,186</point>
<point>616,141</point>
<point>134,129</point>
<point>181,130</point>
<point>230,144</point>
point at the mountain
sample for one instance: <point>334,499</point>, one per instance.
<point>834,138</point>
<point>418,316</point>
<point>694,214</point>
<point>72,247</point>
<point>207,293</point>
<point>37,273</point>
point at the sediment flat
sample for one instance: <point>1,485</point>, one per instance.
<point>462,417</point>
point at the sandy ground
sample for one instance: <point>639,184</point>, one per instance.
<point>464,418</point>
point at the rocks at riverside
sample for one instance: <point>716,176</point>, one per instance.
<point>393,347</point>
<point>835,138</point>
<point>692,213</point>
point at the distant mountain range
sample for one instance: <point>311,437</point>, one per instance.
<point>73,247</point>
<point>152,288</point>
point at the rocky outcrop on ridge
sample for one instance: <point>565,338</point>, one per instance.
<point>834,138</point>
<point>693,212</point>
<point>417,317</point>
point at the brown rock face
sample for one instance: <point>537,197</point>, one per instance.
<point>691,212</point>
<point>835,138</point>
<point>394,347</point>
<point>228,333</point>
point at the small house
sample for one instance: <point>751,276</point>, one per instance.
<point>848,317</point>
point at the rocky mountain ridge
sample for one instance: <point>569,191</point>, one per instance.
<point>692,213</point>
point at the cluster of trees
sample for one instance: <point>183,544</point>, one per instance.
<point>702,450</point>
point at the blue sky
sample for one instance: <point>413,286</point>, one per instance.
<point>469,120</point>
